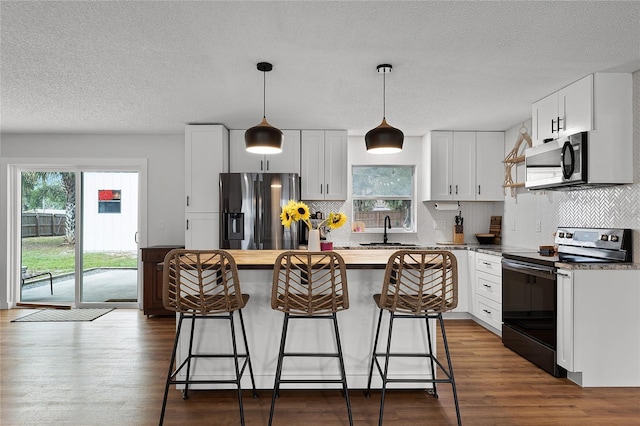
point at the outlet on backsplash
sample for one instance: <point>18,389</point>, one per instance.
<point>439,224</point>
<point>538,226</point>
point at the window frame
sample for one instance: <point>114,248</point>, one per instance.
<point>412,199</point>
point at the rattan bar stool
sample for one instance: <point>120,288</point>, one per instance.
<point>203,285</point>
<point>418,284</point>
<point>309,285</point>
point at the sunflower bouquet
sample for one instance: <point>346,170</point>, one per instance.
<point>297,210</point>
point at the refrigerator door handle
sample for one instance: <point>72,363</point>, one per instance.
<point>258,215</point>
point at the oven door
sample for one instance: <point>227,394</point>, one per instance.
<point>529,300</point>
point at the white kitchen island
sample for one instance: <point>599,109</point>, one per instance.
<point>365,271</point>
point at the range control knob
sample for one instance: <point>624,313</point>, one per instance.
<point>568,235</point>
<point>560,234</point>
<point>604,237</point>
<point>614,238</point>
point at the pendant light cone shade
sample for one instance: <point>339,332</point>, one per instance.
<point>263,138</point>
<point>384,139</point>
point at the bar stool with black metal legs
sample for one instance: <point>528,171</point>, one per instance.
<point>203,285</point>
<point>418,284</point>
<point>309,285</point>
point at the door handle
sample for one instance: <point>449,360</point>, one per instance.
<point>135,237</point>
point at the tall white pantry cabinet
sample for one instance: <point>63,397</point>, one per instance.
<point>206,156</point>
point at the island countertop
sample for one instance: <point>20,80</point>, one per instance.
<point>354,259</point>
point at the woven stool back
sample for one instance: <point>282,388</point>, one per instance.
<point>420,281</point>
<point>201,282</point>
<point>309,283</point>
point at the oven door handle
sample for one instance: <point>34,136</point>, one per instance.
<point>527,267</point>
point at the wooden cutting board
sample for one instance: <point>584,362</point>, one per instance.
<point>495,227</point>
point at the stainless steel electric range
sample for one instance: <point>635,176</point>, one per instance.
<point>529,298</point>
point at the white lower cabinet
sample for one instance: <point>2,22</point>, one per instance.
<point>487,289</point>
<point>598,323</point>
<point>488,311</point>
<point>564,336</point>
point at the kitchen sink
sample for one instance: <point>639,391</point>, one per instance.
<point>388,245</point>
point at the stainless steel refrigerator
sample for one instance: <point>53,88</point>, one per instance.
<point>250,206</point>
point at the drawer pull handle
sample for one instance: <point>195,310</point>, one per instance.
<point>487,312</point>
<point>486,285</point>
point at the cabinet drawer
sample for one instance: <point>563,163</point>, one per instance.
<point>489,286</point>
<point>489,311</point>
<point>489,264</point>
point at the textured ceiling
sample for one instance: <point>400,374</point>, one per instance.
<point>152,67</point>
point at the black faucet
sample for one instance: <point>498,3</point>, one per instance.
<point>386,219</point>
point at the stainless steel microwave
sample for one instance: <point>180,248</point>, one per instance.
<point>558,164</point>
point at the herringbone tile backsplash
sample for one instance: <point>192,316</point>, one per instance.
<point>615,207</point>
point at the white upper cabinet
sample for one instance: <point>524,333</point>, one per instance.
<point>242,161</point>
<point>324,165</point>
<point>489,166</point>
<point>206,153</point>
<point>565,112</point>
<point>463,166</point>
<point>449,159</point>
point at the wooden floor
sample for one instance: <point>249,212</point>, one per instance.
<point>111,372</point>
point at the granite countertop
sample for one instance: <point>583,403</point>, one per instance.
<point>496,250</point>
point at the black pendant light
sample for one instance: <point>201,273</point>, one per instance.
<point>263,138</point>
<point>384,139</point>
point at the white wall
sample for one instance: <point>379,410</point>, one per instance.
<point>165,177</point>
<point>612,207</point>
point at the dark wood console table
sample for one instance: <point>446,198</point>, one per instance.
<point>152,279</point>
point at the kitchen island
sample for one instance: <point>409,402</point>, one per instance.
<point>365,271</point>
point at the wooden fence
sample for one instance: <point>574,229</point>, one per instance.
<point>375,219</point>
<point>43,224</point>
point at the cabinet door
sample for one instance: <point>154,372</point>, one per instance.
<point>576,107</point>
<point>206,153</point>
<point>441,146</point>
<point>312,167</point>
<point>241,161</point>
<point>335,165</point>
<point>544,119</point>
<point>564,338</point>
<point>463,165</point>
<point>289,160</point>
<point>202,231</point>
<point>489,166</point>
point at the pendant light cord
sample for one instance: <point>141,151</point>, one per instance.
<point>264,94</point>
<point>384,95</point>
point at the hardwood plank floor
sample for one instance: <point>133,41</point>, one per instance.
<point>112,371</point>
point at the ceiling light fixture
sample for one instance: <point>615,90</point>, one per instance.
<point>263,138</point>
<point>384,139</point>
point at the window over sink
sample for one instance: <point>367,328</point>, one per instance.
<point>380,191</point>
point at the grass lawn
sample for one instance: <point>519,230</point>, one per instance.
<point>51,254</point>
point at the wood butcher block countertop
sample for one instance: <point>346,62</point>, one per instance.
<point>354,259</point>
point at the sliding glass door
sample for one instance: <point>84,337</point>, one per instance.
<point>79,237</point>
